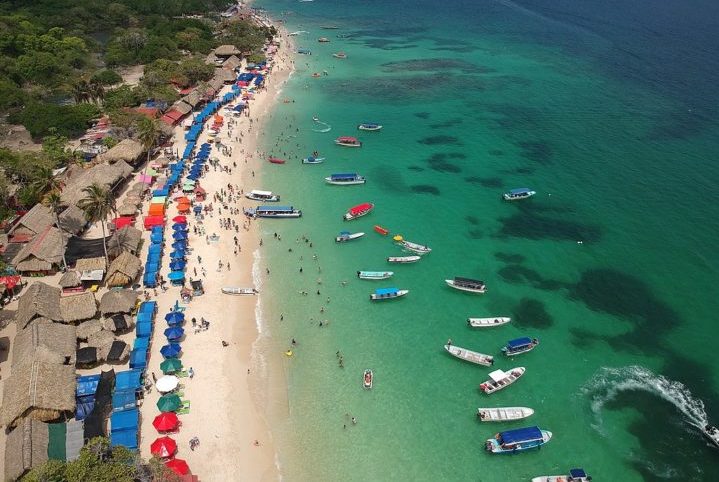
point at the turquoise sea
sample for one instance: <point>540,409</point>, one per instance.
<point>609,111</point>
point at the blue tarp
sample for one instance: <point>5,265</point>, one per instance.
<point>145,317</point>
<point>141,344</point>
<point>179,235</point>
<point>521,435</point>
<point>143,330</point>
<point>177,265</point>
<point>124,400</point>
<point>138,358</point>
<point>519,342</point>
<point>87,385</point>
<point>177,255</point>
<point>259,79</point>
<point>385,291</point>
<point>156,237</point>
<point>150,280</point>
<point>148,307</point>
<point>84,406</point>
<point>124,438</point>
<point>128,380</point>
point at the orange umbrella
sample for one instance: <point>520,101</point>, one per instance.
<point>178,466</point>
<point>182,200</point>
<point>163,447</point>
<point>183,208</point>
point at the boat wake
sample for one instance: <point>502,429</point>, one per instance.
<point>609,382</point>
<point>321,126</point>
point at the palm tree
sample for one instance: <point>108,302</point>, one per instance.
<point>97,91</point>
<point>54,201</point>
<point>98,204</point>
<point>81,91</point>
<point>44,180</point>
<point>148,131</point>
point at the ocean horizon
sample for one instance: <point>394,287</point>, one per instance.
<point>608,112</point>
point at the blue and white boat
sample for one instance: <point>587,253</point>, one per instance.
<point>347,179</point>
<point>273,212</point>
<point>347,236</point>
<point>369,126</point>
<point>575,475</point>
<point>518,440</point>
<point>519,346</point>
<point>374,275</point>
<point>387,294</point>
<point>313,160</point>
<point>519,193</point>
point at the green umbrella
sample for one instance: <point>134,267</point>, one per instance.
<point>171,365</point>
<point>169,402</point>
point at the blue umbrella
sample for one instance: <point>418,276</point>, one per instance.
<point>179,227</point>
<point>156,237</point>
<point>175,316</point>
<point>177,255</point>
<point>177,265</point>
<point>171,350</point>
<point>174,333</point>
<point>179,245</point>
<point>176,276</point>
<point>193,177</point>
<point>155,249</point>
<point>197,209</point>
<point>179,235</point>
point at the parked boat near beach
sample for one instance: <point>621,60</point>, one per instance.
<point>348,179</point>
<point>518,440</point>
<point>374,275</point>
<point>348,141</point>
<point>467,284</point>
<point>276,160</point>
<point>234,290</point>
<point>503,414</point>
<point>499,379</point>
<point>519,346</point>
<point>358,211</point>
<point>266,196</point>
<point>575,475</point>
<point>274,212</point>
<point>369,126</point>
<point>469,355</point>
<point>313,160</point>
<point>367,379</point>
<point>387,294</point>
<point>519,193</point>
<point>323,40</point>
<point>347,236</point>
<point>488,322</point>
<point>403,259</point>
<point>414,247</point>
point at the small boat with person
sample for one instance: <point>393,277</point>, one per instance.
<point>467,284</point>
<point>347,236</point>
<point>387,294</point>
<point>234,290</point>
<point>488,322</point>
<point>469,355</point>
<point>369,126</point>
<point>313,160</point>
<point>403,259</point>
<point>266,196</point>
<point>348,141</point>
<point>323,40</point>
<point>273,212</point>
<point>499,379</point>
<point>276,160</point>
<point>374,275</point>
<point>503,414</point>
<point>345,179</point>
<point>519,193</point>
<point>358,211</point>
<point>367,379</point>
<point>410,246</point>
<point>339,55</point>
<point>519,346</point>
<point>575,475</point>
<point>517,440</point>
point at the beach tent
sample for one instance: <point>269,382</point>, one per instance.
<point>124,420</point>
<point>128,380</point>
<point>141,344</point>
<point>156,238</point>
<point>151,221</point>
<point>166,422</point>
<point>145,317</point>
<point>124,400</point>
<point>148,307</point>
<point>183,208</point>
<point>177,255</point>
<point>138,359</point>
<point>158,200</point>
<point>177,265</point>
<point>179,235</point>
<point>171,350</point>
<point>124,438</point>
<point>169,403</point>
<point>180,227</point>
<point>179,245</point>
<point>143,330</point>
<point>122,222</point>
<point>174,333</point>
<point>157,209</point>
<point>149,279</point>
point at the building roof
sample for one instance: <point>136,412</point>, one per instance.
<point>216,84</point>
<point>25,448</point>
<point>227,51</point>
<point>78,307</point>
<point>36,220</point>
<point>232,63</point>
<point>182,107</point>
<point>129,238</point>
<point>123,270</point>
<point>211,58</point>
<point>88,328</point>
<point>70,279</point>
<point>118,301</point>
<point>46,341</point>
<point>72,220</point>
<point>106,175</point>
<point>225,75</point>
<point>40,299</point>
<point>193,98</point>
<point>127,150</point>
<point>90,264</point>
<point>42,252</point>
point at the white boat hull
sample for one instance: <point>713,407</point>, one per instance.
<point>451,283</point>
<point>344,239</point>
<point>272,199</point>
<point>403,259</point>
<point>329,180</point>
<point>318,160</point>
<point>415,248</point>
<point>399,294</point>
<point>374,275</point>
<point>503,414</point>
<point>470,356</point>
<point>367,379</point>
<point>488,322</point>
<point>239,291</point>
<point>350,217</point>
<point>490,386</point>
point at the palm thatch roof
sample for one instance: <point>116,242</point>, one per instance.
<point>127,150</point>
<point>40,299</point>
<point>42,253</point>
<point>227,51</point>
<point>78,307</point>
<point>130,239</point>
<point>216,84</point>
<point>72,220</point>
<point>118,301</point>
<point>225,75</point>
<point>232,63</point>
<point>211,58</point>
<point>106,175</point>
<point>88,328</point>
<point>39,390</point>
<point>127,209</point>
<point>25,448</point>
<point>123,270</point>
<point>116,323</point>
<point>192,99</point>
<point>182,107</point>
<point>90,264</point>
<point>46,341</point>
<point>103,351</point>
<point>35,221</point>
<point>100,338</point>
<point>70,279</point>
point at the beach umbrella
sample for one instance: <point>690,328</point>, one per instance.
<point>179,235</point>
<point>179,245</point>
<point>175,316</point>
<point>167,383</point>
<point>183,208</point>
<point>156,237</point>
<point>176,275</point>
<point>177,265</point>
<point>179,227</point>
<point>171,365</point>
<point>177,255</point>
<point>178,466</point>
<point>180,219</point>
<point>171,350</point>
<point>193,177</point>
<point>183,200</point>
<point>169,402</point>
<point>163,447</point>
<point>166,421</point>
<point>174,333</point>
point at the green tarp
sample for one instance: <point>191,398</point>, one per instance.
<point>56,449</point>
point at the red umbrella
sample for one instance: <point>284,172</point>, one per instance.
<point>180,219</point>
<point>166,421</point>
<point>163,447</point>
<point>178,466</point>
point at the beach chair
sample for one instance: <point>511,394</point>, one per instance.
<point>179,307</point>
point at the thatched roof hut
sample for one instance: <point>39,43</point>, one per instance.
<point>117,323</point>
<point>72,220</point>
<point>41,254</point>
<point>115,351</point>
<point>25,448</point>
<point>192,99</point>
<point>211,58</point>
<point>123,270</point>
<point>182,107</point>
<point>118,301</point>
<point>101,338</point>
<point>90,264</point>
<point>216,84</point>
<point>78,307</point>
<point>130,239</point>
<point>106,175</point>
<point>46,341</point>
<point>39,390</point>
<point>88,328</point>
<point>40,299</point>
<point>127,209</point>
<point>127,150</point>
<point>35,221</point>
<point>232,63</point>
<point>227,51</point>
<point>225,75</point>
<point>70,279</point>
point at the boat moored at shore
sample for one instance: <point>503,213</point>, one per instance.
<point>369,126</point>
<point>273,212</point>
<point>403,259</point>
<point>358,211</point>
<point>518,440</point>
<point>387,294</point>
<point>235,290</point>
<point>488,322</point>
<point>575,475</point>
<point>519,193</point>
<point>347,236</point>
<point>469,355</point>
<point>276,160</point>
<point>374,275</point>
<point>519,346</point>
<point>503,414</point>
<point>348,141</point>
<point>499,379</point>
<point>346,179</point>
<point>264,196</point>
<point>467,284</point>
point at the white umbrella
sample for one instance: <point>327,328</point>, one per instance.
<point>167,383</point>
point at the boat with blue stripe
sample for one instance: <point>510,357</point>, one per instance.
<point>374,275</point>
<point>369,126</point>
<point>518,440</point>
<point>520,345</point>
<point>519,193</point>
<point>345,179</point>
<point>387,294</point>
<point>347,236</point>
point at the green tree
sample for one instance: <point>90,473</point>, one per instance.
<point>106,77</point>
<point>98,204</point>
<point>54,201</point>
<point>148,131</point>
<point>44,181</point>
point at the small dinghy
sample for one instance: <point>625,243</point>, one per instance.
<point>469,355</point>
<point>503,414</point>
<point>367,379</point>
<point>313,160</point>
<point>374,275</point>
<point>379,229</point>
<point>347,236</point>
<point>499,379</point>
<point>575,475</point>
<point>488,322</point>
<point>403,259</point>
<point>369,126</point>
<point>234,290</point>
<point>276,160</point>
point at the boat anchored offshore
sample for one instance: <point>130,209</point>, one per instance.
<point>519,193</point>
<point>348,141</point>
<point>712,433</point>
<point>488,322</point>
<point>469,355</point>
<point>503,414</point>
<point>499,379</point>
<point>339,55</point>
<point>274,212</point>
<point>313,160</point>
<point>266,196</point>
<point>369,126</point>
<point>347,236</point>
<point>467,284</point>
<point>234,290</point>
<point>367,379</point>
<point>519,346</point>
<point>358,211</point>
<point>348,179</point>
<point>387,294</point>
<point>409,246</point>
<point>403,259</point>
<point>374,275</point>
<point>575,475</point>
<point>380,230</point>
<point>518,440</point>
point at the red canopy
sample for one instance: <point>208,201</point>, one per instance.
<point>180,219</point>
<point>10,281</point>
<point>166,421</point>
<point>151,221</point>
<point>178,466</point>
<point>361,208</point>
<point>163,447</point>
<point>123,221</point>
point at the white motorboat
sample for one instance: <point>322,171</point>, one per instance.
<point>367,379</point>
<point>503,414</point>
<point>712,433</point>
<point>470,356</point>
<point>488,322</point>
<point>520,345</point>
<point>313,160</point>
<point>369,126</point>
<point>467,284</point>
<point>517,194</point>
<point>349,179</point>
<point>387,294</point>
<point>414,247</point>
<point>347,236</point>
<point>575,475</point>
<point>374,275</point>
<point>499,379</point>
<point>273,212</point>
<point>403,259</point>
<point>234,290</point>
<point>267,196</point>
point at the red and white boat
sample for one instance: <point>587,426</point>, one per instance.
<point>358,211</point>
<point>348,141</point>
<point>381,230</point>
<point>276,160</point>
